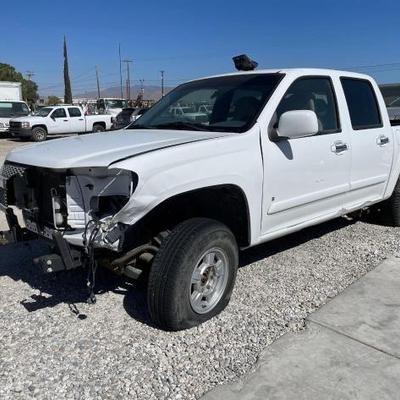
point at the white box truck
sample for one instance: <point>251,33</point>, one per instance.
<point>11,104</point>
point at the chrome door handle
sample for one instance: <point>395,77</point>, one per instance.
<point>339,147</point>
<point>80,119</point>
<point>382,140</point>
<point>65,120</point>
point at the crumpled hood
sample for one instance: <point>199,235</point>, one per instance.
<point>102,149</point>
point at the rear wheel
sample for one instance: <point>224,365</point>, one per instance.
<point>391,207</point>
<point>39,134</point>
<point>193,274</point>
<point>98,128</point>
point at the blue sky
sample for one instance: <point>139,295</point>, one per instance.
<point>189,39</point>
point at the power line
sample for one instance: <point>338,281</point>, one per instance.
<point>374,66</point>
<point>29,74</point>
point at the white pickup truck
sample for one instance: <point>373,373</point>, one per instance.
<point>176,199</point>
<point>58,120</point>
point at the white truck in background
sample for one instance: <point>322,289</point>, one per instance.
<point>11,104</point>
<point>175,199</point>
<point>111,106</point>
<point>394,111</point>
<point>58,120</point>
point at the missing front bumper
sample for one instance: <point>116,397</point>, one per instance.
<point>63,257</point>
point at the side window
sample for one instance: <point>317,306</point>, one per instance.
<point>59,113</point>
<point>20,108</point>
<point>314,94</point>
<point>74,112</point>
<point>362,103</point>
<point>25,109</point>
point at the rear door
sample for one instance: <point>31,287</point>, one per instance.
<point>58,122</point>
<point>371,142</point>
<point>77,120</point>
<point>306,178</point>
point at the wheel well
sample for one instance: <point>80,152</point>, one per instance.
<point>103,124</point>
<point>39,126</point>
<point>224,203</point>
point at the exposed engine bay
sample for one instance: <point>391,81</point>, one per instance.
<point>66,200</point>
<point>74,209</point>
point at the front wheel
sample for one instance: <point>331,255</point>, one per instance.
<point>39,134</point>
<point>193,274</point>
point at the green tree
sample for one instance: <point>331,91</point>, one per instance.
<point>29,88</point>
<point>67,82</point>
<point>53,100</point>
<point>29,91</point>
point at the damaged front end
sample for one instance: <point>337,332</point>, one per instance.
<point>73,207</point>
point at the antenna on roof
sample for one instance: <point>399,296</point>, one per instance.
<point>244,63</point>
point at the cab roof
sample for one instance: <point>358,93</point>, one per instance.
<point>296,72</point>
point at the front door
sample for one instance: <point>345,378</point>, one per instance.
<point>306,178</point>
<point>58,121</point>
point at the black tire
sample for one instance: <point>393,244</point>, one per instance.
<point>391,207</point>
<point>98,128</point>
<point>169,285</point>
<point>39,134</point>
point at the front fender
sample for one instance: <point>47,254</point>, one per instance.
<point>230,160</point>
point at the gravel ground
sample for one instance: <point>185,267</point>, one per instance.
<point>54,345</point>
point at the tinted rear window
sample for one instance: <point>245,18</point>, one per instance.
<point>74,112</point>
<point>362,104</point>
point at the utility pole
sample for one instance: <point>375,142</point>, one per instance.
<point>162,83</point>
<point>67,81</point>
<point>98,83</point>
<point>120,69</point>
<point>128,80</point>
<point>29,74</point>
<point>141,86</point>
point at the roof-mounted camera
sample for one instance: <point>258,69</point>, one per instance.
<point>244,63</point>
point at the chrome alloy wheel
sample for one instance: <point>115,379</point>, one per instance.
<point>209,280</point>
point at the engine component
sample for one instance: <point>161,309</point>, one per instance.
<point>58,217</point>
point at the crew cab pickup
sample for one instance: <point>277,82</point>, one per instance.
<point>174,199</point>
<point>58,120</point>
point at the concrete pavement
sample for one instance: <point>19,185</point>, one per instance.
<point>349,350</point>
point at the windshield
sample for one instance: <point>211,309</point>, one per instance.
<point>43,112</point>
<point>115,103</point>
<point>10,109</point>
<point>224,104</point>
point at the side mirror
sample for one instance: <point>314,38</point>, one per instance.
<point>297,123</point>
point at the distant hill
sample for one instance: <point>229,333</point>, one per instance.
<point>150,92</point>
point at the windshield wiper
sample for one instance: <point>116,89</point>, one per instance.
<point>184,125</point>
